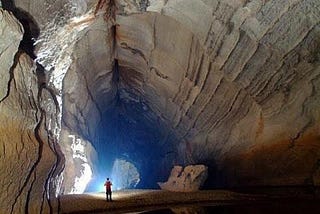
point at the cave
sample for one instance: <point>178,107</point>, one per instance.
<point>129,89</point>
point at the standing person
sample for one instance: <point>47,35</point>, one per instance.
<point>108,185</point>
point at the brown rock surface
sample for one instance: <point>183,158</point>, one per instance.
<point>188,179</point>
<point>28,155</point>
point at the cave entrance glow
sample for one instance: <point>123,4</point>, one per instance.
<point>129,147</point>
<point>124,175</point>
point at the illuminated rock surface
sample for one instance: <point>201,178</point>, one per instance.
<point>234,85</point>
<point>188,179</point>
<point>126,174</point>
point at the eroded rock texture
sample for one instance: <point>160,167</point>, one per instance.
<point>27,150</point>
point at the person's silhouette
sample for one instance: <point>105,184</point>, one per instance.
<point>108,185</point>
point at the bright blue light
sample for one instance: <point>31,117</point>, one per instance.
<point>98,185</point>
<point>123,175</point>
<point>101,187</point>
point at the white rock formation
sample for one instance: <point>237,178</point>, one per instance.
<point>188,179</point>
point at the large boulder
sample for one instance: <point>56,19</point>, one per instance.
<point>189,179</point>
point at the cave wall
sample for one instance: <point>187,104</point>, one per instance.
<point>29,155</point>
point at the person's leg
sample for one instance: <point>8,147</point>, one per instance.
<point>110,196</point>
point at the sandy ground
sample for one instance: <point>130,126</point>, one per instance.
<point>135,201</point>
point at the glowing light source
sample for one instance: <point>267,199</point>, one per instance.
<point>98,184</point>
<point>124,175</point>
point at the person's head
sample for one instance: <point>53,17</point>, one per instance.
<point>107,179</point>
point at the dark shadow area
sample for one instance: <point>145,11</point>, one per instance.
<point>216,178</point>
<point>265,207</point>
<point>31,28</point>
<point>308,191</point>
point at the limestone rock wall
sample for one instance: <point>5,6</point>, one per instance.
<point>28,153</point>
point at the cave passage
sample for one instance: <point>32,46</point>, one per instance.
<point>131,145</point>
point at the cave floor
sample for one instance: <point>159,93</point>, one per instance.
<point>143,200</point>
<point>134,201</point>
